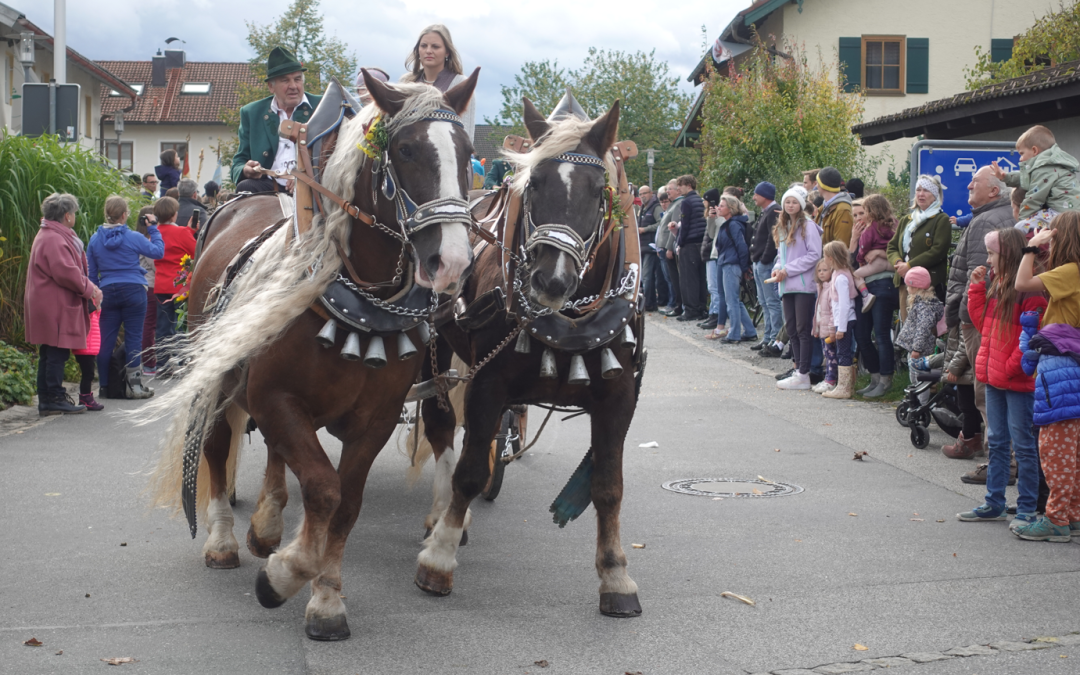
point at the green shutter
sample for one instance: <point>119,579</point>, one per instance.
<point>851,61</point>
<point>918,65</point>
<point>1001,50</point>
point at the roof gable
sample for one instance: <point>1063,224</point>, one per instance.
<point>168,104</point>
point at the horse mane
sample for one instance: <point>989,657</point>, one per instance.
<point>564,136</point>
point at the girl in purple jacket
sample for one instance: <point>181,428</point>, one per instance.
<point>798,243</point>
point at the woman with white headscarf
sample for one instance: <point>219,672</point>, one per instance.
<point>922,240</point>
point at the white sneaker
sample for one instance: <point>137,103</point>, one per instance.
<point>796,381</point>
<point>822,387</point>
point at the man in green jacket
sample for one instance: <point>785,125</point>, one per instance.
<point>260,145</point>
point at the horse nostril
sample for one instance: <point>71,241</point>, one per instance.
<point>431,264</point>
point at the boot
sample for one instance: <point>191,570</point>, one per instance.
<point>58,405</point>
<point>964,448</point>
<point>135,388</point>
<point>883,385</point>
<point>844,384</point>
<point>88,401</point>
<point>874,379</point>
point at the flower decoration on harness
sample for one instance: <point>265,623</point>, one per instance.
<point>376,139</point>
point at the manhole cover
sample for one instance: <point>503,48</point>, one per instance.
<point>731,487</point>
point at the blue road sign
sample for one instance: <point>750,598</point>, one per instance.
<point>956,166</point>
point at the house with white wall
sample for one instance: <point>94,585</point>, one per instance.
<point>90,76</point>
<point>900,55</point>
<point>179,107</point>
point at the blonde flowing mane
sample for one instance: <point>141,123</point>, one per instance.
<point>564,136</point>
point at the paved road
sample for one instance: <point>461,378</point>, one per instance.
<point>891,577</point>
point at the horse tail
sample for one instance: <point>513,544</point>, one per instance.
<point>417,437</point>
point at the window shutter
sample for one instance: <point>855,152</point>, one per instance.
<point>851,62</point>
<point>918,65</point>
<point>1001,50</point>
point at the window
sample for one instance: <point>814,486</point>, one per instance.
<point>137,87</point>
<point>126,152</point>
<point>180,148</point>
<point>195,88</point>
<point>883,64</point>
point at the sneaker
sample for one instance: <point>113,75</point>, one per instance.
<point>148,371</point>
<point>868,302</point>
<point>822,387</point>
<point>770,351</point>
<point>984,513</point>
<point>1021,519</point>
<point>1075,527</point>
<point>795,382</point>
<point>977,476</point>
<point>1044,530</point>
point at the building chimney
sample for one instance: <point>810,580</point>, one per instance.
<point>157,71</point>
<point>175,58</point>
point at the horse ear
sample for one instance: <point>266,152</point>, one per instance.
<point>388,99</point>
<point>605,130</point>
<point>534,121</point>
<point>460,95</point>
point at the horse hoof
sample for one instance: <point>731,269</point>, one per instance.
<point>464,538</point>
<point>266,594</point>
<point>330,629</point>
<point>222,561</point>
<point>258,547</point>
<point>435,583</point>
<point>620,605</point>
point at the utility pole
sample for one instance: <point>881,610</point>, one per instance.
<point>60,41</point>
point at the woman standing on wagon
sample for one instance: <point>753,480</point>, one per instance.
<point>434,61</point>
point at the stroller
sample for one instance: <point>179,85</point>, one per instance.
<point>941,407</point>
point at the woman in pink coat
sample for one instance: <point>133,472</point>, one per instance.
<point>59,298</point>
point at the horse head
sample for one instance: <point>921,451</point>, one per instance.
<point>565,199</point>
<point>425,171</point>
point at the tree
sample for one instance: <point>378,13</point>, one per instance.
<point>652,108</point>
<point>300,30</point>
<point>1055,38</point>
<point>777,116</point>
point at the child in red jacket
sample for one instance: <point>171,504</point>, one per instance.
<point>996,308</point>
<point>179,241</point>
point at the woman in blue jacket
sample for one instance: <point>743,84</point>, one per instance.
<point>732,259</point>
<point>113,259</point>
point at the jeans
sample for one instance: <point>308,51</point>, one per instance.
<point>873,330</point>
<point>769,297</point>
<point>1010,416</point>
<point>165,336</point>
<point>844,351</point>
<point>122,304</point>
<point>149,326</point>
<point>671,272</point>
<point>714,291</point>
<point>652,284</point>
<point>50,373</point>
<point>831,361</point>
<point>740,318</point>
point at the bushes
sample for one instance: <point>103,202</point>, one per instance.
<point>18,377</point>
<point>30,170</point>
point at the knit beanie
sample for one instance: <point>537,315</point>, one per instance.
<point>992,241</point>
<point>917,277</point>
<point>766,190</point>
<point>712,196</point>
<point>829,180</point>
<point>798,192</point>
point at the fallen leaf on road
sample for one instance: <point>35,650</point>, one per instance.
<point>88,595</point>
<point>917,520</point>
<point>123,543</point>
<point>954,555</point>
<point>60,653</point>
<point>853,514</point>
<point>942,520</point>
<point>776,450</point>
<point>757,491</point>
<point>826,424</point>
<point>1046,639</point>
<point>638,545</point>
<point>860,455</point>
<point>650,444</point>
<point>763,478</point>
<point>636,672</point>
<point>542,663</point>
<point>718,499</point>
<point>33,642</point>
<point>52,494</point>
<point>861,648</point>
<point>741,598</point>
<point>119,660</point>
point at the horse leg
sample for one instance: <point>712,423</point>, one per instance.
<point>439,428</point>
<point>610,421</point>
<point>301,560</point>
<point>436,563</point>
<point>325,615</point>
<point>267,525</point>
<point>221,548</point>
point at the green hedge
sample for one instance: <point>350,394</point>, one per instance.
<point>18,377</point>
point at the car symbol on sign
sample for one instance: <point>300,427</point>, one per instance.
<point>965,165</point>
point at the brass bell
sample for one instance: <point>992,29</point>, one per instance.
<point>424,332</point>
<point>628,339</point>
<point>610,368</point>
<point>523,345</point>
<point>405,348</point>
<point>375,357</point>
<point>351,350</point>
<point>326,336</point>
<point>548,371</point>
<point>578,373</point>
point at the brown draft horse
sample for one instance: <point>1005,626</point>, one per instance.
<point>563,184</point>
<point>259,356</point>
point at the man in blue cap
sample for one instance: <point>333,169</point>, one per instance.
<point>260,145</point>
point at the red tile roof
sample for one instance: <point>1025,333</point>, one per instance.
<point>167,105</point>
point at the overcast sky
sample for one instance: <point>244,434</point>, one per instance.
<point>497,36</point>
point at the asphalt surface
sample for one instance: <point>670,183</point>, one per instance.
<point>869,554</point>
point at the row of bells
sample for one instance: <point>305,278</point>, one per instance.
<point>375,355</point>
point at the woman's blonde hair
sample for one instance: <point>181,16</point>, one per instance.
<point>116,207</point>
<point>836,253</point>
<point>734,204</point>
<point>412,63</point>
<point>817,269</point>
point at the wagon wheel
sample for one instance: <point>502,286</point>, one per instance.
<point>749,298</point>
<point>506,443</point>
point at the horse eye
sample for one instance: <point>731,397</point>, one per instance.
<point>405,151</point>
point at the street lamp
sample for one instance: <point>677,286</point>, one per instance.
<point>26,53</point>
<point>650,159</point>
<point>118,127</point>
